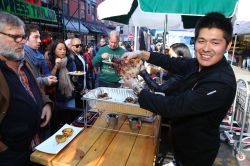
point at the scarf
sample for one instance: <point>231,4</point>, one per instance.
<point>65,85</point>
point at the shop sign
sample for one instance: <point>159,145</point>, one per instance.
<point>35,2</point>
<point>19,7</point>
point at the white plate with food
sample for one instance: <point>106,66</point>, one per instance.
<point>107,62</point>
<point>59,140</point>
<point>76,73</point>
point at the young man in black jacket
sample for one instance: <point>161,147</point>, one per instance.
<point>207,92</point>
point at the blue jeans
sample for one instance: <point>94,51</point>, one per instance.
<point>91,77</point>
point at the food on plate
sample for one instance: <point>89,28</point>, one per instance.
<point>76,73</point>
<point>67,132</point>
<point>102,95</point>
<point>130,100</point>
<point>131,68</point>
<point>60,138</point>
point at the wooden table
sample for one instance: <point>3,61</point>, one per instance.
<point>99,145</point>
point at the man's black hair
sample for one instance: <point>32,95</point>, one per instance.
<point>30,28</point>
<point>215,20</point>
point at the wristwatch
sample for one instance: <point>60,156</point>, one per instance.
<point>137,89</point>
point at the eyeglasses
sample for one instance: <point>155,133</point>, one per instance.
<point>78,45</point>
<point>16,38</point>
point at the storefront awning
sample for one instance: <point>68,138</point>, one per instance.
<point>73,25</point>
<point>92,27</point>
<point>105,31</point>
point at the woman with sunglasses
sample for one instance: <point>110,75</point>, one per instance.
<point>61,63</point>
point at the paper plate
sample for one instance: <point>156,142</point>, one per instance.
<point>107,62</point>
<point>76,73</point>
<point>51,146</point>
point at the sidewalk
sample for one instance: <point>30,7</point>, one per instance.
<point>241,74</point>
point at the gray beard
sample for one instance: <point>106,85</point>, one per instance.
<point>10,52</point>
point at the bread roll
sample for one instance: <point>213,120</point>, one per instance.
<point>60,138</point>
<point>67,132</point>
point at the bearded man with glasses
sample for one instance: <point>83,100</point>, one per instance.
<point>23,108</point>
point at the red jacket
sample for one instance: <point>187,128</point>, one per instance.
<point>88,59</point>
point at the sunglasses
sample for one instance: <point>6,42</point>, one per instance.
<point>78,45</point>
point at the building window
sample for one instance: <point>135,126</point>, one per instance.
<point>65,7</point>
<point>88,8</point>
<point>82,10</point>
<point>93,13</point>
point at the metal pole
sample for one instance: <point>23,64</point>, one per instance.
<point>64,26</point>
<point>79,21</point>
<point>164,44</point>
<point>135,38</point>
<point>165,33</point>
<point>232,57</point>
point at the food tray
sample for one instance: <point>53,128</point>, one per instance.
<point>115,101</point>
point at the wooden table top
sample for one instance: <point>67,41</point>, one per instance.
<point>99,145</point>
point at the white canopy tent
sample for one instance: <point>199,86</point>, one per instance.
<point>138,18</point>
<point>241,21</point>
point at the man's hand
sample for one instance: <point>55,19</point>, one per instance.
<point>52,80</point>
<point>132,84</point>
<point>129,81</point>
<point>145,55</point>
<point>105,55</point>
<point>46,115</point>
<point>130,55</point>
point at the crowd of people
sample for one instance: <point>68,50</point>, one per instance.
<point>198,91</point>
<point>32,83</point>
